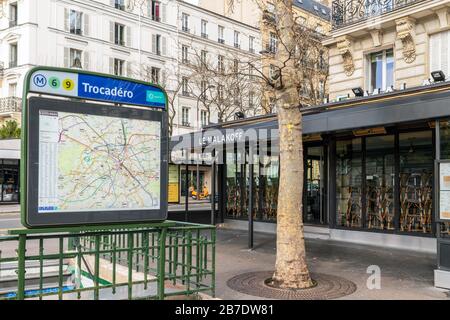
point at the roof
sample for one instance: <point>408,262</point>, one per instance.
<point>314,7</point>
<point>416,104</point>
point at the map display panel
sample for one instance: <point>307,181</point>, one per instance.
<point>98,163</point>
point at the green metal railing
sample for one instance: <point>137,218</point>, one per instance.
<point>151,261</point>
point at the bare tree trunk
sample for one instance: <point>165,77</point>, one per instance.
<point>291,270</point>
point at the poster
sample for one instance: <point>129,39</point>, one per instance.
<point>174,184</point>
<point>444,191</point>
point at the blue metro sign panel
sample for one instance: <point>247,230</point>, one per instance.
<point>97,87</point>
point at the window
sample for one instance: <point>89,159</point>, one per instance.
<point>348,183</point>
<point>119,4</point>
<point>440,52</point>
<point>416,181</point>
<point>220,34</point>
<point>205,29</point>
<point>204,57</point>
<point>13,55</point>
<point>235,65</point>
<point>156,10</point>
<point>185,117</point>
<point>251,99</point>
<point>158,46</point>
<point>119,67</point>
<point>236,39</point>
<point>119,34</point>
<point>220,92</point>
<point>75,19</point>
<point>381,70</point>
<point>185,86</point>
<point>380,177</point>
<point>75,58</point>
<point>13,14</point>
<point>185,22</point>
<point>184,54</point>
<point>273,43</point>
<point>251,43</point>
<point>155,75</point>
<point>12,90</point>
<point>221,64</point>
<point>204,118</point>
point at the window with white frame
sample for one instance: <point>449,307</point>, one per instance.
<point>75,20</point>
<point>204,57</point>
<point>185,117</point>
<point>440,52</point>
<point>273,43</point>
<point>156,75</point>
<point>185,22</point>
<point>119,34</point>
<point>75,58</point>
<point>251,44</point>
<point>204,118</point>
<point>156,10</point>
<point>13,14</point>
<point>185,86</point>
<point>221,64</point>
<point>13,55</point>
<point>119,4</point>
<point>204,29</point>
<point>184,54</point>
<point>220,32</point>
<point>381,70</point>
<point>119,67</point>
<point>12,89</point>
<point>236,39</point>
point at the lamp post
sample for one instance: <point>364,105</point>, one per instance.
<point>198,127</point>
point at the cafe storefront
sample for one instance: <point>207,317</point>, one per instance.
<point>369,169</point>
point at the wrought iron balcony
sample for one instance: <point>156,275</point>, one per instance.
<point>10,104</point>
<point>346,12</point>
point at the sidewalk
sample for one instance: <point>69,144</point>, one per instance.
<point>404,274</point>
<point>9,208</point>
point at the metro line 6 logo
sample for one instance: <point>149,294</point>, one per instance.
<point>40,80</point>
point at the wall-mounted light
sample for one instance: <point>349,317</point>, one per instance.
<point>438,76</point>
<point>239,115</point>
<point>358,92</point>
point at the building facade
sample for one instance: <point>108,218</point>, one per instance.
<point>138,39</point>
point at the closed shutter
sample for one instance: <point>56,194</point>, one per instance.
<point>164,46</point>
<point>111,31</point>
<point>86,61</point>
<point>163,12</point>
<point>66,57</point>
<point>66,20</point>
<point>149,8</point>
<point>440,52</point>
<point>129,69</point>
<point>112,3</point>
<point>86,24</point>
<point>111,65</point>
<point>128,35</point>
<point>154,43</point>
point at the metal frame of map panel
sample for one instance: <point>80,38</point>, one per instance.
<point>34,218</point>
<point>24,129</point>
<point>438,190</point>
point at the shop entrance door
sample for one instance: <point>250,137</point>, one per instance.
<point>314,188</point>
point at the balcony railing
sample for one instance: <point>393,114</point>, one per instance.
<point>346,12</point>
<point>10,104</point>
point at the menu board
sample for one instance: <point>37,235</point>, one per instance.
<point>444,191</point>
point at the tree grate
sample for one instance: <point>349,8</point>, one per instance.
<point>328,287</point>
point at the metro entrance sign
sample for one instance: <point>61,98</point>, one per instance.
<point>86,163</point>
<point>96,87</point>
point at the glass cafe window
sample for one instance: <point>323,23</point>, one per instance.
<point>381,70</point>
<point>268,184</point>
<point>380,176</point>
<point>349,183</point>
<point>234,182</point>
<point>416,181</point>
<point>445,155</point>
